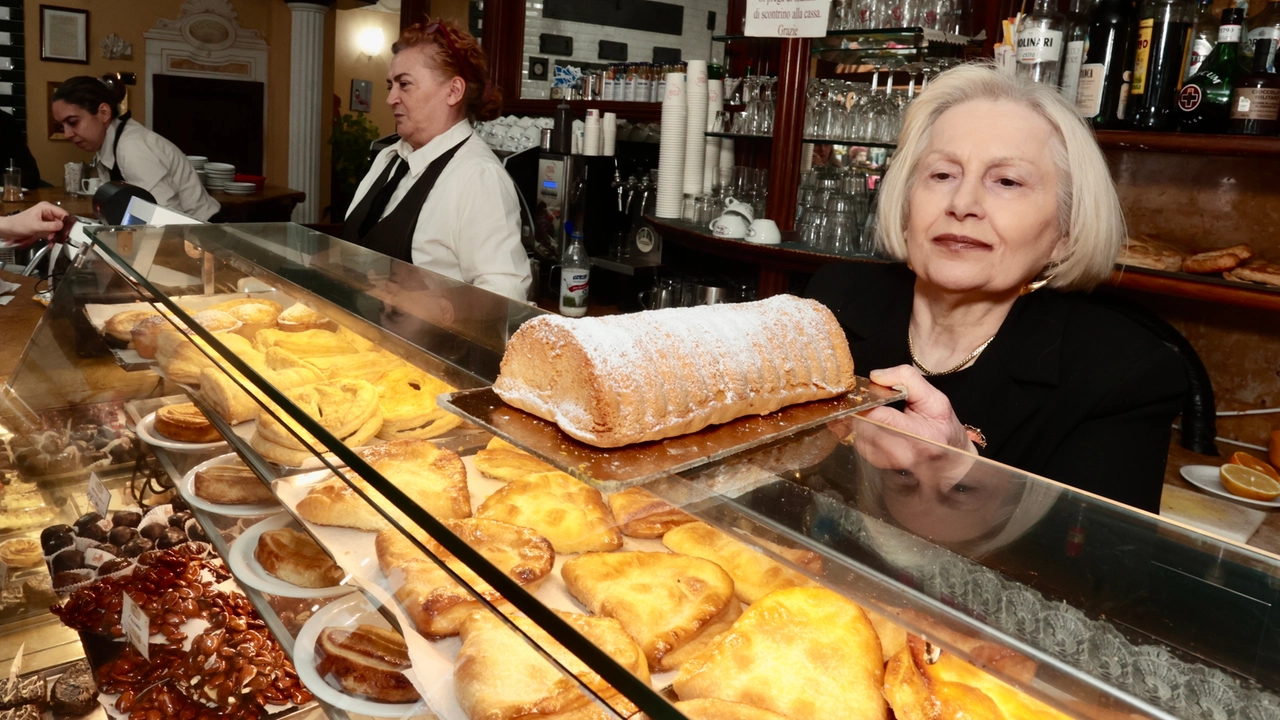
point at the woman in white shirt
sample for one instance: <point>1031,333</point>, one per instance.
<point>439,198</point>
<point>89,112</point>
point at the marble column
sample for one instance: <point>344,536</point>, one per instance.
<point>306,105</point>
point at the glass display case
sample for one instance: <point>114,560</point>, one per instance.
<point>401,561</point>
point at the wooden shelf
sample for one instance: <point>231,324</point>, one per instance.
<point>1189,144</point>
<point>633,111</point>
<point>1193,287</point>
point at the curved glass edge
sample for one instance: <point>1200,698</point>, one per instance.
<point>401,513</point>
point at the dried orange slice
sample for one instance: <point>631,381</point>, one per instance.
<point>1253,463</point>
<point>1248,483</point>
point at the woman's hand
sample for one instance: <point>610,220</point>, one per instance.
<point>37,222</point>
<point>928,413</point>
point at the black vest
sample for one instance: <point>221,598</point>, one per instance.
<point>393,234</point>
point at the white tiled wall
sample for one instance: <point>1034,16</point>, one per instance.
<point>694,44</point>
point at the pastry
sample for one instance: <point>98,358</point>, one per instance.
<point>233,484</point>
<point>28,519</point>
<point>348,409</point>
<point>924,681</point>
<point>500,460</point>
<point>368,662</point>
<point>1146,251</point>
<point>712,709</point>
<point>185,423</point>
<point>146,334</point>
<point>183,358</point>
<point>434,602</point>
<point>431,476</point>
<point>30,690</point>
<point>641,514</point>
<point>1259,271</point>
<point>216,321</point>
<point>570,514</point>
<point>13,601</point>
<point>754,575</point>
<point>1216,261</point>
<point>229,305</point>
<point>254,315</point>
<point>499,677</point>
<point>296,558</point>
<point>229,394</point>
<point>623,379</point>
<point>120,325</point>
<point>359,365</point>
<point>74,693</point>
<point>299,317</point>
<point>21,552</point>
<point>805,653</point>
<point>304,344</point>
<point>664,601</point>
<point>409,410</point>
<point>39,592</point>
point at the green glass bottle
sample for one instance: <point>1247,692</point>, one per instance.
<point>1203,102</point>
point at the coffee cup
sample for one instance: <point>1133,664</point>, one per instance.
<point>764,232</point>
<point>89,186</point>
<point>740,208</point>
<point>730,225</point>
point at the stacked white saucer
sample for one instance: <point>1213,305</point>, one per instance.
<point>240,188</point>
<point>217,175</point>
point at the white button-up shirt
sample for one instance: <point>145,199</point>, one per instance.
<point>469,227</point>
<point>153,163</point>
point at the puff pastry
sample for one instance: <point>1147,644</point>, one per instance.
<point>571,515</point>
<point>500,460</point>
<point>359,365</point>
<point>805,653</point>
<point>229,305</point>
<point>296,558</point>
<point>185,423</point>
<point>254,315</point>
<point>499,677</point>
<point>952,688</point>
<point>347,409</point>
<point>216,321</point>
<point>120,325</point>
<point>183,358</point>
<point>754,575</point>
<point>304,344</point>
<point>299,317</point>
<point>433,477</point>
<point>232,484</point>
<point>368,662</point>
<point>433,601</point>
<point>641,514</point>
<point>409,410</point>
<point>664,601</point>
<point>146,333</point>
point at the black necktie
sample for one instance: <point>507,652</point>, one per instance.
<point>384,196</point>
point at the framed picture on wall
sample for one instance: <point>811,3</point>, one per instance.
<point>64,34</point>
<point>361,95</point>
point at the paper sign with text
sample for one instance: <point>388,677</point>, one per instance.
<point>99,495</point>
<point>136,625</point>
<point>786,18</point>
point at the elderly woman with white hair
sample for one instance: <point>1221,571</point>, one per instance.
<point>1001,212</point>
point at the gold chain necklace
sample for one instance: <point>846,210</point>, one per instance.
<point>911,348</point>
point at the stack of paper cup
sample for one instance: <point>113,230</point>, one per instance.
<point>671,148</point>
<point>591,133</point>
<point>715,104</point>
<point>726,163</point>
<point>806,158</point>
<point>609,140</point>
<point>696,126</point>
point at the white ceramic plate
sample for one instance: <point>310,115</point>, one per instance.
<point>1206,478</point>
<point>245,510</point>
<point>249,571</point>
<point>348,612</point>
<point>147,431</point>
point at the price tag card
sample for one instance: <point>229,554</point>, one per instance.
<point>136,625</point>
<point>94,557</point>
<point>99,495</point>
<point>786,18</point>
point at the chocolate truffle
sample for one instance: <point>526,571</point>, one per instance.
<point>179,520</point>
<point>121,536</point>
<point>172,537</point>
<point>136,547</point>
<point>67,578</point>
<point>67,560</point>
<point>112,566</point>
<point>152,531</point>
<point>86,520</point>
<point>179,505</point>
<point>195,532</point>
<point>59,539</point>
<point>110,549</point>
<point>126,518</point>
<point>94,532</point>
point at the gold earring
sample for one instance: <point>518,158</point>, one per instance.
<point>1040,280</point>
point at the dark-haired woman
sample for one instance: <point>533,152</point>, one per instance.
<point>439,198</point>
<point>126,151</point>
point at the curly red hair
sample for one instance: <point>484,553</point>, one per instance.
<point>465,59</point>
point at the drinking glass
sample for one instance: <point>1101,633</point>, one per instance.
<point>811,227</point>
<point>841,233</point>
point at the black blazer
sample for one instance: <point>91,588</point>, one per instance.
<point>1068,389</point>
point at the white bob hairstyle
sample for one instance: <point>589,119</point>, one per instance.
<point>1089,210</point>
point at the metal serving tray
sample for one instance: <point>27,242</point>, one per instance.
<point>614,468</point>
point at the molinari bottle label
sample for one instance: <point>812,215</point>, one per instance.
<point>1140,58</point>
<point>573,291</point>
<point>1037,45</point>
<point>1089,92</point>
<point>1256,104</point>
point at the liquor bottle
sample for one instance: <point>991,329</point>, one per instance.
<point>1073,57</point>
<point>575,275</point>
<point>1108,64</point>
<point>1204,35</point>
<point>1265,26</point>
<point>1040,36</point>
<point>1164,37</point>
<point>1205,97</point>
<point>1255,104</point>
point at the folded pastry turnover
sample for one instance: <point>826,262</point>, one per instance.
<point>668,603</point>
<point>348,409</point>
<point>434,602</point>
<point>754,575</point>
<point>571,515</point>
<point>499,677</point>
<point>409,410</point>
<point>304,344</point>
<point>641,514</point>
<point>805,653</point>
<point>500,460</point>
